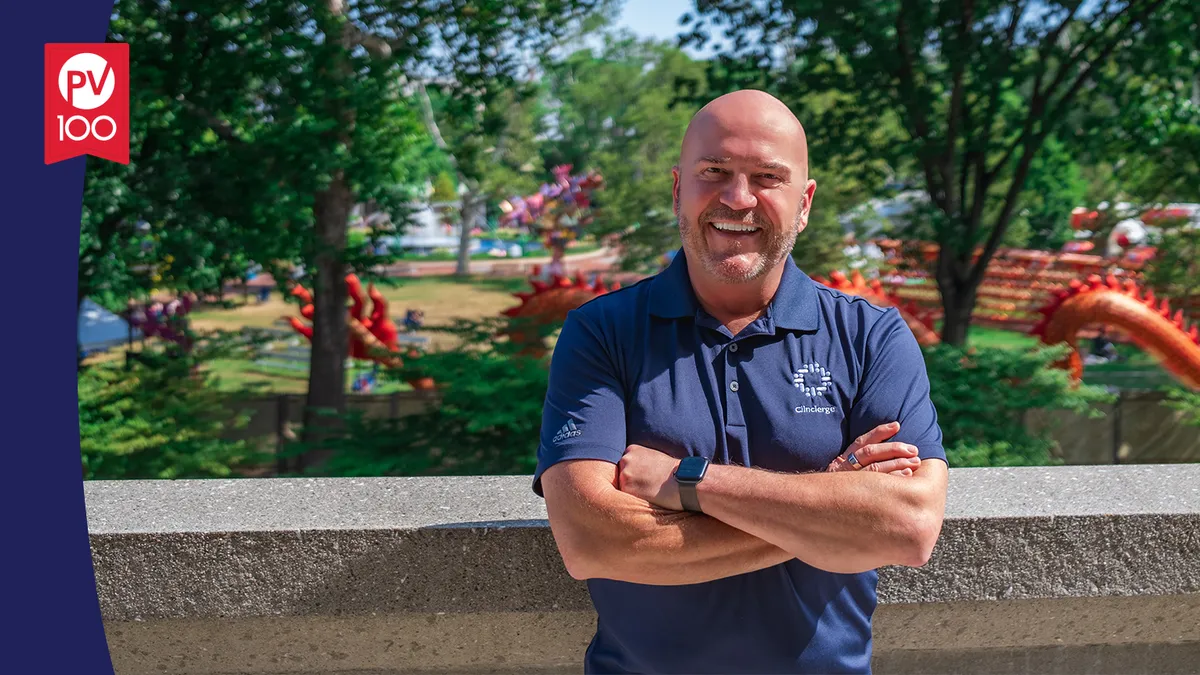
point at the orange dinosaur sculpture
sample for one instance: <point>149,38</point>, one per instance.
<point>375,337</point>
<point>1127,306</point>
<point>372,337</point>
<point>548,303</point>
<point>919,321</point>
<point>1123,304</point>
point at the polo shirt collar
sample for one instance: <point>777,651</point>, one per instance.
<point>794,306</point>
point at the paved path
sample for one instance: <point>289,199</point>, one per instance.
<point>599,261</point>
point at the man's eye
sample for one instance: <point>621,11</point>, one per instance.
<point>712,169</point>
<point>769,176</point>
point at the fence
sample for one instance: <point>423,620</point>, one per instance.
<point>1135,429</point>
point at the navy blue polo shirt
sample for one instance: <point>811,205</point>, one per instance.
<point>647,365</point>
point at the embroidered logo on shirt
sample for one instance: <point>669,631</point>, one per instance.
<point>568,430</point>
<point>813,380</point>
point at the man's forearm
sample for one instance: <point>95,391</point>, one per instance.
<point>641,543</point>
<point>844,522</point>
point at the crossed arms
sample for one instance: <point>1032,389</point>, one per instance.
<point>617,515</point>
<point>622,521</point>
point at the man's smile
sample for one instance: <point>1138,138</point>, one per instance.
<point>734,228</point>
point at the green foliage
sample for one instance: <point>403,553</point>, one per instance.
<point>615,110</point>
<point>444,189</point>
<point>982,396</point>
<point>485,420</point>
<point>1174,271</point>
<point>972,90</point>
<point>1186,403</point>
<point>159,419</point>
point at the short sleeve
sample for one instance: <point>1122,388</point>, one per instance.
<point>583,416</point>
<point>895,387</point>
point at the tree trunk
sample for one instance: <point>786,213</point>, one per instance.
<point>330,339</point>
<point>471,205</point>
<point>958,303</point>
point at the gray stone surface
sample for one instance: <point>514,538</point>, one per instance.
<point>1035,566</point>
<point>272,504</point>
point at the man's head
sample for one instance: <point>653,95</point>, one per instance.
<point>742,192</point>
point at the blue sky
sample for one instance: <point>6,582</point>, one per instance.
<point>654,18</point>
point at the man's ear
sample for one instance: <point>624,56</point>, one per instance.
<point>675,189</point>
<point>806,200</point>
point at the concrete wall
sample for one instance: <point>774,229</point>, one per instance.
<point>1047,570</point>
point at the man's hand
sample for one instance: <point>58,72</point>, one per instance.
<point>649,474</point>
<point>898,459</point>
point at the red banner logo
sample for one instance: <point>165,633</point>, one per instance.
<point>87,101</point>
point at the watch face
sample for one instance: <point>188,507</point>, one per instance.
<point>691,469</point>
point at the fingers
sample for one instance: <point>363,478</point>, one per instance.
<point>877,435</point>
<point>902,472</point>
<point>894,465</point>
<point>879,452</point>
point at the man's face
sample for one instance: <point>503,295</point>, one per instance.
<point>741,194</point>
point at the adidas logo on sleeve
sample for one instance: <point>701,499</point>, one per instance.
<point>568,430</point>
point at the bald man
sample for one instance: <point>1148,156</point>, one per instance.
<point>729,450</point>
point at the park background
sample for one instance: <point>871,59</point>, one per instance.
<point>976,163</point>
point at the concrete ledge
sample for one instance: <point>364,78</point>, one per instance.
<point>1060,569</point>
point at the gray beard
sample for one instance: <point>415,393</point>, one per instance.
<point>779,245</point>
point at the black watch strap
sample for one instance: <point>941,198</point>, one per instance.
<point>687,496</point>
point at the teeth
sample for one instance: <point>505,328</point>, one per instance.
<point>732,227</point>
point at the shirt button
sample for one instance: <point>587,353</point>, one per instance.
<point>733,386</point>
<point>733,347</point>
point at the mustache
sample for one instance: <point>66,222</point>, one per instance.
<point>747,217</point>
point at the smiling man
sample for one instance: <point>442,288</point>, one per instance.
<point>729,450</point>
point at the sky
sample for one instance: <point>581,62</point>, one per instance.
<point>657,19</point>
<point>654,18</point>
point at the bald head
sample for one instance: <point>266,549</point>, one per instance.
<point>742,191</point>
<point>747,113</point>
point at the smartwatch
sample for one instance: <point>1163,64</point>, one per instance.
<point>688,475</point>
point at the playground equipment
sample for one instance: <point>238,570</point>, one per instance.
<point>376,338</point>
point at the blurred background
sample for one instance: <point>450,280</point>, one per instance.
<point>349,230</point>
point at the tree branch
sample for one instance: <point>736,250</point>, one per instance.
<point>1041,97</point>
<point>920,126</point>
<point>946,166</point>
<point>982,182</point>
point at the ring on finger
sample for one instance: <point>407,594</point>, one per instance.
<point>853,461</point>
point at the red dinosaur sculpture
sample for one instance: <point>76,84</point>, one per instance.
<point>371,337</point>
<point>375,337</point>
<point>1123,304</point>
<point>548,303</point>
<point>1146,320</point>
<point>921,322</point>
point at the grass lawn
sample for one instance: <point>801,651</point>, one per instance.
<point>442,298</point>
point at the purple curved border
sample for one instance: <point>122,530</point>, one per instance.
<point>50,598</point>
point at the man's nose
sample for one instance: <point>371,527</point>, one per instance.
<point>737,194</point>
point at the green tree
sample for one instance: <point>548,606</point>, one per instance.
<point>444,189</point>
<point>1007,384</point>
<point>301,112</point>
<point>485,419</point>
<point>978,86</point>
<point>615,109</point>
<point>159,419</point>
